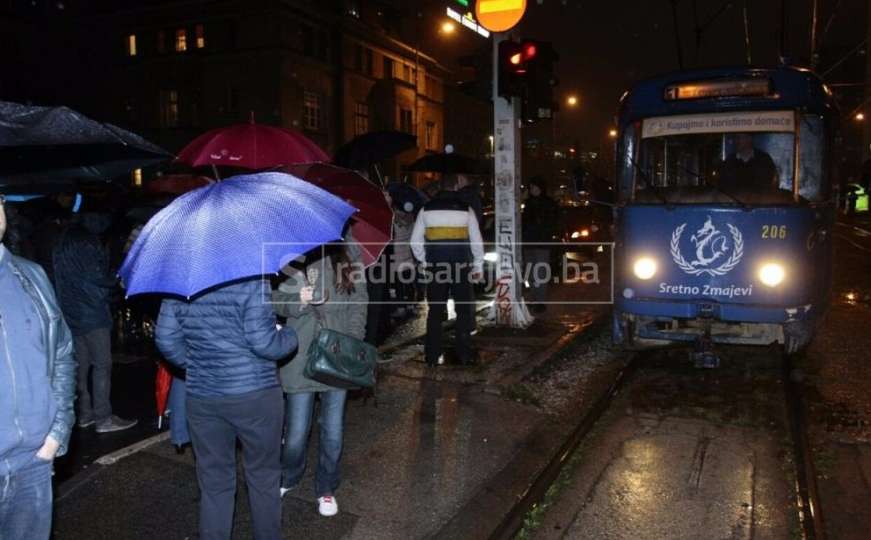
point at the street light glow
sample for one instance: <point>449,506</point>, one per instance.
<point>448,27</point>
<point>571,101</point>
<point>612,133</point>
<point>859,117</point>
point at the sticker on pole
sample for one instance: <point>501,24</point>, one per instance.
<point>499,15</point>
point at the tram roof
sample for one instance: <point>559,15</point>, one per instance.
<point>793,87</point>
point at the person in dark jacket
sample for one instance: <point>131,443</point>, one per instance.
<point>447,241</point>
<point>540,226</point>
<point>37,377</point>
<point>84,286</point>
<point>228,342</point>
<point>327,292</point>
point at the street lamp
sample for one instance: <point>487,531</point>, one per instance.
<point>612,133</point>
<point>859,117</point>
<point>448,27</point>
<point>572,101</point>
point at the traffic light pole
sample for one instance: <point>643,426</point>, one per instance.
<point>508,307</point>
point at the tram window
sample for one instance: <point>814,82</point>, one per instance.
<point>737,168</point>
<point>811,142</point>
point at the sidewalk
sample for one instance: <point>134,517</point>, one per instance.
<point>413,464</point>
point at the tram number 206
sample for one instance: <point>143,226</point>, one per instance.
<point>774,232</point>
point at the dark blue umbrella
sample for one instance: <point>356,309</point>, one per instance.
<point>245,226</point>
<point>406,197</point>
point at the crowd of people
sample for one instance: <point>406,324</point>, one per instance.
<point>240,349</point>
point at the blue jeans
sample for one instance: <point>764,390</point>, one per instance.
<point>25,503</point>
<point>297,421</point>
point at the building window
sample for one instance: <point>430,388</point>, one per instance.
<point>200,32</point>
<point>312,107</point>
<point>405,121</point>
<point>368,62</point>
<point>431,142</point>
<point>169,108</point>
<point>388,67</point>
<point>361,118</point>
<point>131,45</point>
<point>136,177</point>
<point>181,40</point>
<point>161,41</point>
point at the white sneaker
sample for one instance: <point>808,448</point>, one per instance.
<point>327,506</point>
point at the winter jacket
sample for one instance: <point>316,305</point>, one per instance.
<point>541,220</point>
<point>226,340</point>
<point>30,413</point>
<point>342,312</point>
<point>446,231</point>
<point>83,281</point>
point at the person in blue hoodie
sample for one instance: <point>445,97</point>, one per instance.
<point>38,382</point>
<point>229,343</point>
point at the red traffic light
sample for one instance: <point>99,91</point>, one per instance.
<point>529,51</point>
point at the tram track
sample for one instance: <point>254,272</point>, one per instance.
<point>806,495</point>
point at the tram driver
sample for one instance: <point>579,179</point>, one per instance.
<point>749,169</point>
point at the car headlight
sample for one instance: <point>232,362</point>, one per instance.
<point>772,274</point>
<point>583,233</point>
<point>644,268</point>
<point>491,256</point>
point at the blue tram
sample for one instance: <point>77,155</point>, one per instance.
<point>725,210</point>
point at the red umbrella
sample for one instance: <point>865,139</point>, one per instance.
<point>161,390</point>
<point>372,226</point>
<point>251,146</point>
<point>176,184</point>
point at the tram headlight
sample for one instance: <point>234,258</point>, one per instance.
<point>644,268</point>
<point>772,274</point>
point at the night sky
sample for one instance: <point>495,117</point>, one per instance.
<point>606,46</point>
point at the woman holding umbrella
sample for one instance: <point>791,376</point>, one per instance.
<point>327,292</point>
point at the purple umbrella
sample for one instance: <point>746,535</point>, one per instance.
<point>245,226</point>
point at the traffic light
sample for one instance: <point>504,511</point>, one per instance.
<point>541,80</point>
<point>514,59</point>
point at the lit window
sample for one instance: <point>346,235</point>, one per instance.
<point>169,108</point>
<point>201,36</point>
<point>136,177</point>
<point>361,118</point>
<point>131,45</point>
<point>312,110</point>
<point>181,40</point>
<point>431,142</point>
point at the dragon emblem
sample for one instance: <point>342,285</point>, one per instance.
<point>712,246</point>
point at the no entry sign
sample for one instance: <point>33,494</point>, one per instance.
<point>499,15</point>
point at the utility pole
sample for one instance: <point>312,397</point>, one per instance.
<point>814,17</point>
<point>508,306</point>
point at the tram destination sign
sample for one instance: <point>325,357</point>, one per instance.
<point>714,89</point>
<point>737,122</point>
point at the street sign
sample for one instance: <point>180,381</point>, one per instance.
<point>499,15</point>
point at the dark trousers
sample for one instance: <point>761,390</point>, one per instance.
<point>256,418</point>
<point>94,355</point>
<point>440,286</point>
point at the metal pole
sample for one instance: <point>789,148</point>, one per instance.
<point>784,19</point>
<point>677,34</point>
<point>814,56</point>
<point>747,32</point>
<point>508,307</point>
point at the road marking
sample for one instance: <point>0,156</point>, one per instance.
<point>115,457</point>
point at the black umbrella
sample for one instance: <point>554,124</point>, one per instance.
<point>446,164</point>
<point>364,150</point>
<point>406,197</point>
<point>45,147</point>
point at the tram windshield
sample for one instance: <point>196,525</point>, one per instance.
<point>685,160</point>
